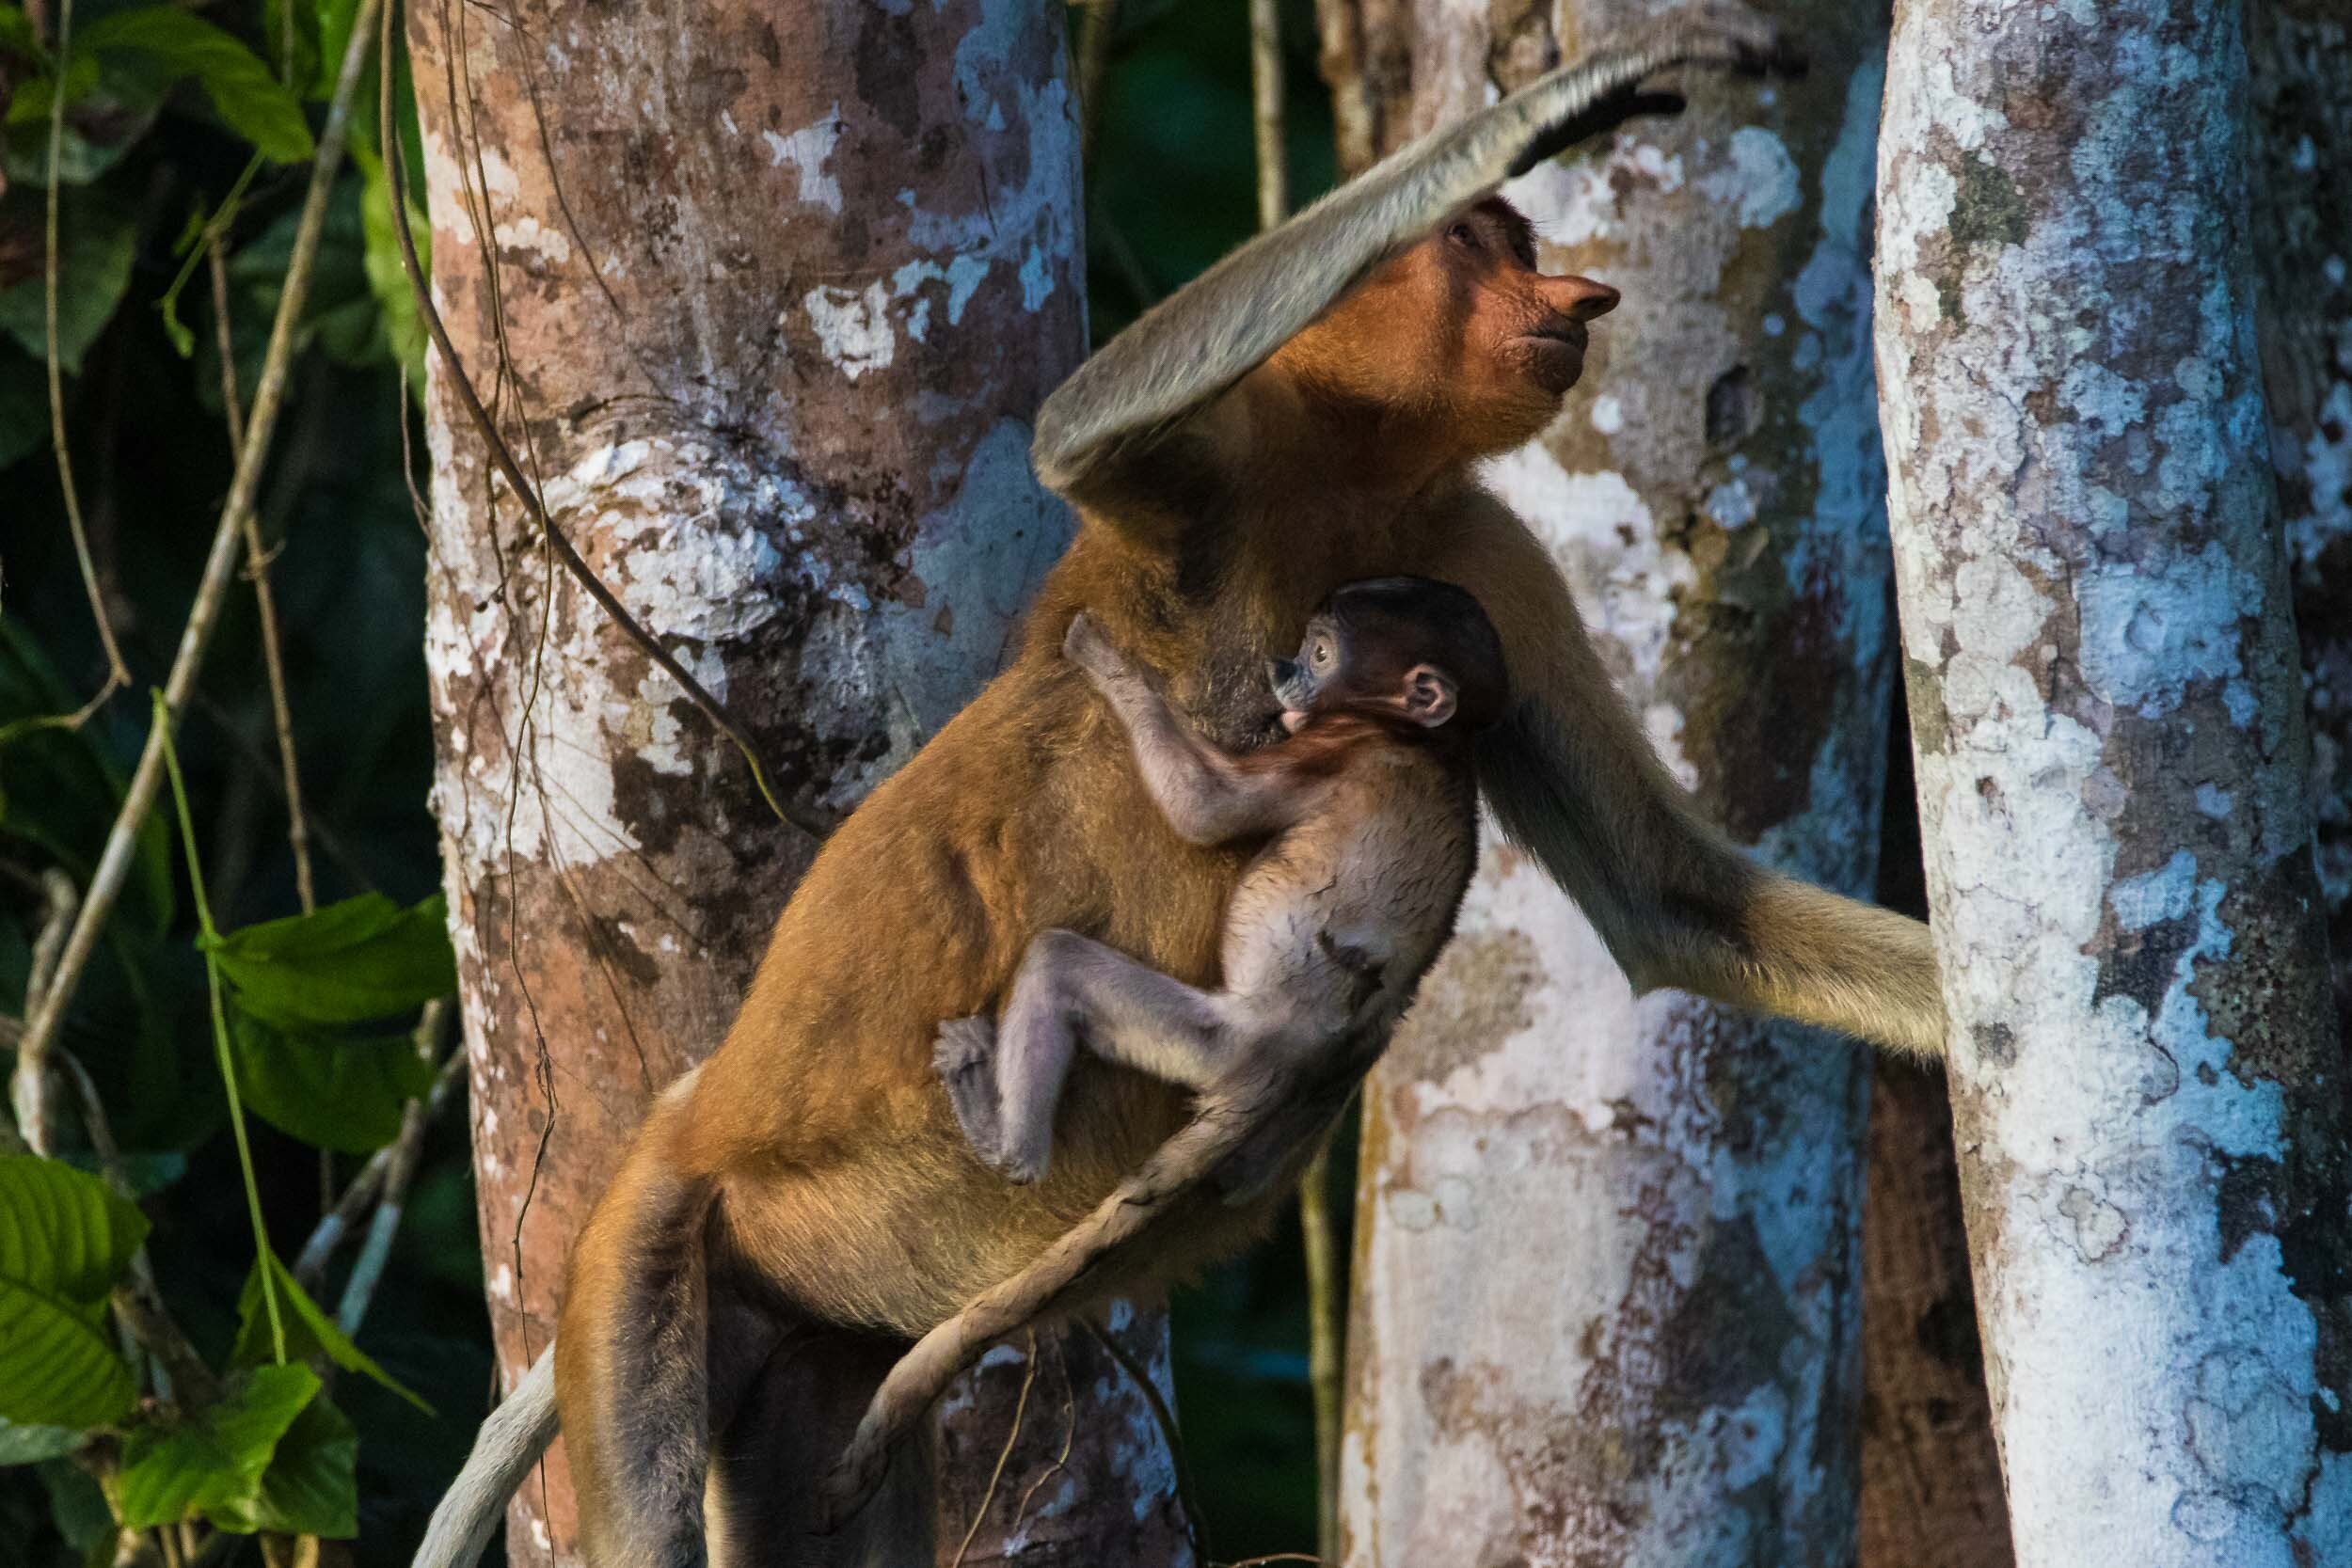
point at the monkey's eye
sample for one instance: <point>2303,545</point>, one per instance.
<point>1463,234</point>
<point>1320,654</point>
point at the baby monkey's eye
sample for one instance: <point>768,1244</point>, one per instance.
<point>1320,654</point>
<point>1463,234</point>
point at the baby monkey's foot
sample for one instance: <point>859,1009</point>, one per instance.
<point>965,1060</point>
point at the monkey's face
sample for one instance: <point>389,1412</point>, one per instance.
<point>1340,667</point>
<point>1462,333</point>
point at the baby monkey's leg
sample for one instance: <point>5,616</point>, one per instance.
<point>1072,989</point>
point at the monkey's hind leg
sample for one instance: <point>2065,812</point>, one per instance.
<point>1072,987</point>
<point>965,1060</point>
<point>630,1365</point>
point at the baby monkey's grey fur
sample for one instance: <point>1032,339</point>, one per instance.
<point>1368,813</point>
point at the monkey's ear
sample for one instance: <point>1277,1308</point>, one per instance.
<point>1428,697</point>
<point>1209,334</point>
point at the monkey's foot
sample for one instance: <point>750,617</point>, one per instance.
<point>965,1060</point>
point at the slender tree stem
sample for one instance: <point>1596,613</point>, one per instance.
<point>1098,25</point>
<point>114,862</point>
<point>29,1087</point>
<point>264,596</point>
<point>1265,103</point>
<point>118,674</point>
<point>220,1032</point>
<point>400,1168</point>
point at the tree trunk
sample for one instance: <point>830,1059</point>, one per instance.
<point>2302,89</point>
<point>774,289</point>
<point>1605,1304</point>
<point>2109,735</point>
<point>1931,1469</point>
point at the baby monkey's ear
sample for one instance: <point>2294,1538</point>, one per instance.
<point>1428,698</point>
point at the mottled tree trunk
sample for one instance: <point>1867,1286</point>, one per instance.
<point>2110,743</point>
<point>778,285</point>
<point>2301,65</point>
<point>1606,1308</point>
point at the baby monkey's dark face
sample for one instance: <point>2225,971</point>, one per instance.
<point>1402,650</point>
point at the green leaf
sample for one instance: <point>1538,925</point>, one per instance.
<point>78,1507</point>
<point>214,1460</point>
<point>243,91</point>
<point>310,1487</point>
<point>388,280</point>
<point>344,1094</point>
<point>309,1331</point>
<point>354,962</point>
<point>30,1445</point>
<point>16,33</point>
<point>95,246</point>
<point>63,1240</point>
<point>334,24</point>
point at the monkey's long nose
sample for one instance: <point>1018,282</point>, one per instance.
<point>1580,298</point>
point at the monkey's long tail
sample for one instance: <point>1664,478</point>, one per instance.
<point>510,1442</point>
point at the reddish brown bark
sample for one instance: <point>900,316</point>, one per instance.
<point>1931,1471</point>
<point>776,288</point>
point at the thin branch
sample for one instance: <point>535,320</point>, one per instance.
<point>309,1265</point>
<point>1327,1313</point>
<point>265,597</point>
<point>29,1088</point>
<point>1265,103</point>
<point>1097,26</point>
<point>118,674</point>
<point>1327,1341</point>
<point>1012,1435</point>
<point>400,1169</point>
<point>114,864</point>
<point>803,814</point>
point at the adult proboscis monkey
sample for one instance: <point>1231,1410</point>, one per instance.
<point>1303,414</point>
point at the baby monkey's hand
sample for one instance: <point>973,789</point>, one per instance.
<point>1085,646</point>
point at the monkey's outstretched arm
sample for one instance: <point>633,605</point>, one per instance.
<point>1209,334</point>
<point>1205,797</point>
<point>1573,780</point>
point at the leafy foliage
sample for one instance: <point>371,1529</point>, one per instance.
<point>181,123</point>
<point>63,1240</point>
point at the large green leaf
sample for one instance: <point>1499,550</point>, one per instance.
<point>354,962</point>
<point>63,1240</point>
<point>310,1487</point>
<point>214,1460</point>
<point>309,1331</point>
<point>95,245</point>
<point>341,1093</point>
<point>243,91</point>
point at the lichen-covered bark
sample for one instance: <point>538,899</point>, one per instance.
<point>2109,726</point>
<point>2301,68</point>
<point>1606,1309</point>
<point>779,286</point>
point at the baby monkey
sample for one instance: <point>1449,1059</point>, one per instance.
<point>1369,811</point>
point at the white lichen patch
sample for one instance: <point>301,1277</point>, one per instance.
<point>1758,180</point>
<point>807,150</point>
<point>853,326</point>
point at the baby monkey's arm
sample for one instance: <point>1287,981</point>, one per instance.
<point>1205,797</point>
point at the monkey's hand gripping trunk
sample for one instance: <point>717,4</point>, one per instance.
<point>1207,336</point>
